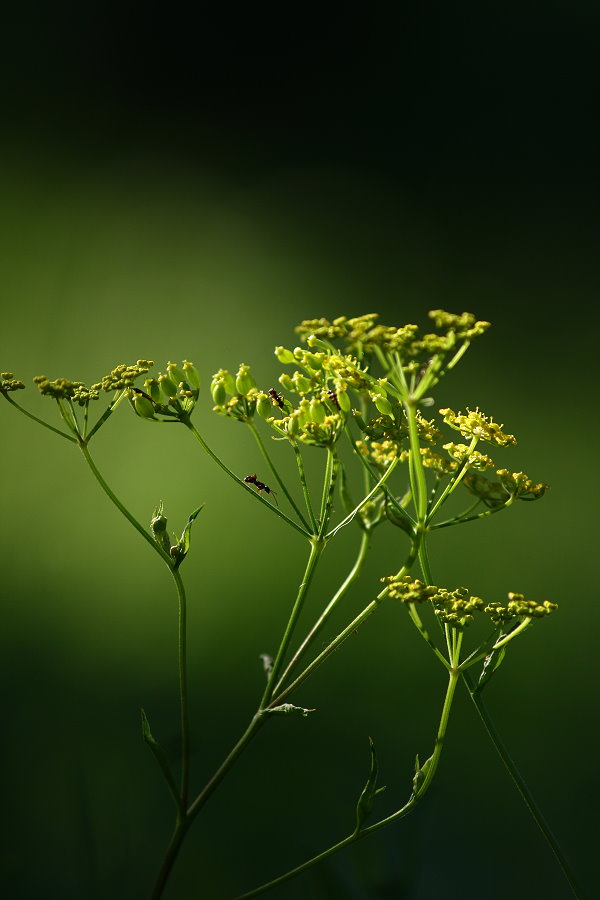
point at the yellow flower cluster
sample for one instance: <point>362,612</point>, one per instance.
<point>475,459</point>
<point>518,606</point>
<point>476,424</point>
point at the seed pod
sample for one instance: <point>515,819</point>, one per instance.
<point>143,406</point>
<point>318,413</point>
<point>219,393</point>
<point>284,356</point>
<point>175,374</point>
<point>293,424</point>
<point>168,387</point>
<point>344,401</point>
<point>153,388</point>
<point>383,404</point>
<point>244,381</point>
<point>191,374</point>
<point>314,361</point>
<point>304,412</point>
<point>264,406</point>
<point>286,382</point>
<point>303,385</point>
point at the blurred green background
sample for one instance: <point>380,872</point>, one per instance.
<point>177,191</point>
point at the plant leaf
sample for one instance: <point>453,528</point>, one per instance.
<point>492,662</point>
<point>364,804</point>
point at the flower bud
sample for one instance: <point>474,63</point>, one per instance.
<point>383,404</point>
<point>244,381</point>
<point>191,374</point>
<point>318,413</point>
<point>153,388</point>
<point>284,356</point>
<point>314,361</point>
<point>264,407</point>
<point>344,401</point>
<point>219,393</point>
<point>175,374</point>
<point>143,406</point>
<point>168,387</point>
<point>304,412</point>
<point>301,382</point>
<point>293,424</point>
<point>313,341</point>
<point>286,382</point>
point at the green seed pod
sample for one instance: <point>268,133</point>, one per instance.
<point>153,388</point>
<point>304,412</point>
<point>302,384</point>
<point>219,394</point>
<point>293,424</point>
<point>382,386</point>
<point>318,412</point>
<point>191,374</point>
<point>175,374</point>
<point>344,401</point>
<point>314,361</point>
<point>383,404</point>
<point>264,407</point>
<point>168,387</point>
<point>286,382</point>
<point>244,381</point>
<point>143,406</point>
<point>284,356</point>
<point>313,341</point>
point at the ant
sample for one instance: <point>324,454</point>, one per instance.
<point>276,398</point>
<point>260,486</point>
<point>333,397</point>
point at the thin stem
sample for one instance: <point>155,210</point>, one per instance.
<point>29,415</point>
<point>316,549</point>
<point>522,786</point>
<point>348,630</point>
<point>453,484</point>
<point>353,574</point>
<point>275,472</point>
<point>366,499</point>
<point>458,520</point>
<point>374,476</point>
<point>420,488</point>
<point>123,509</point>
<point>183,688</point>
<point>327,495</point>
<point>304,483</point>
<point>417,795</point>
<point>177,837</point>
<point>253,493</point>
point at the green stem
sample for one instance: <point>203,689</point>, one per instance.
<point>29,415</point>
<point>348,630</point>
<point>170,856</point>
<point>522,786</point>
<point>453,484</point>
<point>316,549</point>
<point>275,472</point>
<point>253,493</point>
<point>123,509</point>
<point>183,688</point>
<point>417,795</point>
<point>458,520</point>
<point>374,476</point>
<point>365,544</point>
<point>327,495</point>
<point>366,499</point>
<point>419,489</point>
<point>303,482</point>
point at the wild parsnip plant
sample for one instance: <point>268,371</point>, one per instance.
<point>360,394</point>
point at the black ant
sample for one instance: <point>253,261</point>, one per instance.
<point>333,397</point>
<point>260,486</point>
<point>276,398</point>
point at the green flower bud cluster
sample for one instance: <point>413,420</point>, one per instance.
<point>237,397</point>
<point>456,607</point>
<point>476,424</point>
<point>436,461</point>
<point>427,429</point>
<point>10,383</point>
<point>518,606</point>
<point>409,590</point>
<point>476,460</point>
<point>384,452</point>
<point>520,486</point>
<point>123,376</point>
<point>63,389</point>
<point>464,326</point>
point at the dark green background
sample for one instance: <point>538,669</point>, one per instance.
<point>175,189</point>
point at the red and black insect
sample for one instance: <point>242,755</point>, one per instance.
<point>276,398</point>
<point>333,397</point>
<point>260,485</point>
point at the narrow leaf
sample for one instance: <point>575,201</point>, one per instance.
<point>183,544</point>
<point>287,709</point>
<point>161,758</point>
<point>420,774</point>
<point>492,662</point>
<point>364,805</point>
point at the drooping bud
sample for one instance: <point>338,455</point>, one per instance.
<point>168,387</point>
<point>244,381</point>
<point>191,373</point>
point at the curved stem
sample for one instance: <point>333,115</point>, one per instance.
<point>29,415</point>
<point>521,785</point>
<point>275,472</point>
<point>417,795</point>
<point>123,509</point>
<point>253,493</point>
<point>365,499</point>
<point>353,574</point>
